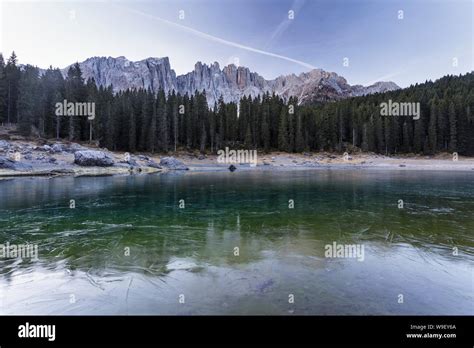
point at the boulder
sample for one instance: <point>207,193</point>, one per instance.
<point>4,144</point>
<point>46,148</point>
<point>56,148</point>
<point>6,163</point>
<point>152,164</point>
<point>172,163</point>
<point>93,158</point>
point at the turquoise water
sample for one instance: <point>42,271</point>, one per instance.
<point>128,248</point>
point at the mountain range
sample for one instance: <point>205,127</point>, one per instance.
<point>231,82</point>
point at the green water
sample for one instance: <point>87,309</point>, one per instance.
<point>424,251</point>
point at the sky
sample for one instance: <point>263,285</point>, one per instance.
<point>406,41</point>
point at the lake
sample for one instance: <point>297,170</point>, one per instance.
<point>248,242</point>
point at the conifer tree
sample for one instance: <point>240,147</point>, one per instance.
<point>132,138</point>
<point>432,136</point>
<point>452,128</point>
<point>162,122</point>
<point>299,141</point>
<point>28,100</point>
<point>3,89</point>
<point>283,131</point>
<point>12,77</point>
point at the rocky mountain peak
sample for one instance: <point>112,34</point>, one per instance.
<point>231,82</point>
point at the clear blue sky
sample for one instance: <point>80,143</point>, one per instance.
<point>259,33</point>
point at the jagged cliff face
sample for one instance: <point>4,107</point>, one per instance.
<point>153,73</point>
<point>231,83</point>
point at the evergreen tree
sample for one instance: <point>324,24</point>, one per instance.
<point>12,81</point>
<point>3,89</point>
<point>406,138</point>
<point>248,137</point>
<point>110,128</point>
<point>419,136</point>
<point>452,128</point>
<point>212,127</point>
<point>299,141</point>
<point>132,138</point>
<point>146,138</point>
<point>265,132</point>
<point>151,144</point>
<point>28,100</point>
<point>75,92</point>
<point>432,136</point>
<point>283,131</point>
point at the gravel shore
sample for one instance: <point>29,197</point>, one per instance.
<point>29,158</point>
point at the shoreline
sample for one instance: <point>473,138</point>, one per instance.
<point>280,162</point>
<point>277,161</point>
<point>35,158</point>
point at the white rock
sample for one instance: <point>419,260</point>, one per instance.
<point>93,158</point>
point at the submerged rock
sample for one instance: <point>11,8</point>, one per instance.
<point>93,158</point>
<point>172,163</point>
<point>265,285</point>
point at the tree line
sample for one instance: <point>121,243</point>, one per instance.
<point>142,120</point>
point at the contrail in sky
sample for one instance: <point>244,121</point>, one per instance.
<point>285,24</point>
<point>218,39</point>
